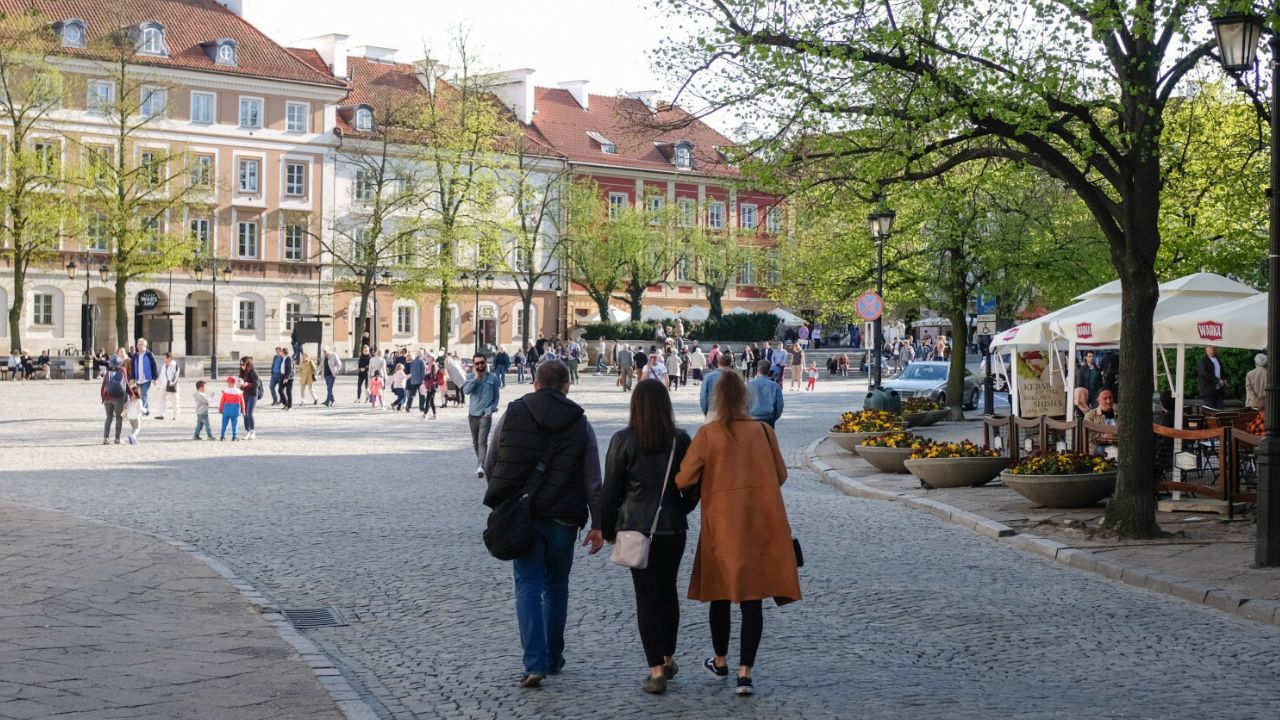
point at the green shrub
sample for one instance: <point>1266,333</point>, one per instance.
<point>1236,363</point>
<point>746,327</point>
<point>630,330</point>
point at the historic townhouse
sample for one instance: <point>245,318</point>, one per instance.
<point>252,120</point>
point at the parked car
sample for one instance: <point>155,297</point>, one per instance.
<point>929,380</point>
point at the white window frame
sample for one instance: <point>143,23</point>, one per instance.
<point>213,107</point>
<point>42,309</point>
<point>305,125</point>
<point>150,96</point>
<point>302,243</point>
<point>773,220</point>
<point>289,189</point>
<point>247,315</point>
<point>683,156</point>
<point>241,166</point>
<point>364,119</point>
<point>202,231</point>
<point>95,104</point>
<point>688,212</point>
<point>198,168</point>
<point>715,215</point>
<point>232,60</point>
<point>684,268</point>
<point>751,210</point>
<point>290,316</point>
<point>101,243</point>
<point>261,105</point>
<point>656,203</point>
<point>58,162</point>
<point>67,40</point>
<point>157,164</point>
<point>248,229</point>
<point>363,179</point>
<point>151,41</point>
<point>747,275</point>
<point>618,202</point>
<point>405,312</point>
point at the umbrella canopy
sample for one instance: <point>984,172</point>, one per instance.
<point>653,312</point>
<point>1204,282</point>
<point>1038,331</point>
<point>739,310</point>
<point>788,318</point>
<point>697,313</point>
<point>615,315</point>
<point>1240,324</point>
<point>1111,289</point>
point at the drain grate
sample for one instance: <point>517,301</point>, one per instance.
<point>307,618</point>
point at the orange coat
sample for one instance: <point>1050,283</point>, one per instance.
<point>744,549</point>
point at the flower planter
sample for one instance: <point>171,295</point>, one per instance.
<point>1062,491</point>
<point>885,459</point>
<point>956,472</point>
<point>849,441</point>
<point>924,419</point>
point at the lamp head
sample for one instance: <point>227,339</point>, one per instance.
<point>1237,35</point>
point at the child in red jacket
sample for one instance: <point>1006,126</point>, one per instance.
<point>232,407</point>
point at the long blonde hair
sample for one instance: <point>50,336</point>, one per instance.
<point>729,401</point>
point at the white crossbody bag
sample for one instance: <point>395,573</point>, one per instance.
<point>631,547</point>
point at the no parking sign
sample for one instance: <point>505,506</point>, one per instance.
<point>869,306</point>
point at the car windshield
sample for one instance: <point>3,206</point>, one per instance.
<point>919,371</point>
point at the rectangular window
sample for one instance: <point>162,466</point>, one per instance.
<point>715,216</point>
<point>151,226</point>
<point>292,311</point>
<point>155,102</point>
<point>295,117</point>
<point>48,157</point>
<point>99,161</point>
<point>747,275</point>
<point>365,185</point>
<point>294,243</point>
<point>295,179</point>
<point>617,203</point>
<point>202,107</point>
<point>747,217</point>
<point>404,320</point>
<point>684,268</point>
<point>773,220</point>
<point>96,232</point>
<point>686,213</point>
<point>655,209</point>
<point>200,231</point>
<point>152,168</point>
<point>202,171</point>
<point>518,328</point>
<point>249,175</point>
<point>42,309</point>
<point>102,96</point>
<point>247,240</point>
<point>404,251</point>
<point>250,113</point>
<point>248,315</point>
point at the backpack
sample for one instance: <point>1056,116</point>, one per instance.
<point>115,384</point>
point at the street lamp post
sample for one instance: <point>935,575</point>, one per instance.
<point>1237,37</point>
<point>86,312</point>
<point>881,221</point>
<point>198,271</point>
<point>377,329</point>
<point>474,282</point>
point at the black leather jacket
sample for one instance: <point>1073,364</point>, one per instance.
<point>632,486</point>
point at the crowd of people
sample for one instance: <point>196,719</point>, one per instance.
<point>22,366</point>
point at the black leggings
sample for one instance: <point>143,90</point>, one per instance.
<point>752,629</point>
<point>657,601</point>
<point>428,401</point>
<point>362,381</point>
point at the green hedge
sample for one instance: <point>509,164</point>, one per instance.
<point>743,327</point>
<point>639,330</point>
<point>1236,363</point>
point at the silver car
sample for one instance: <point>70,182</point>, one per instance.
<point>929,380</point>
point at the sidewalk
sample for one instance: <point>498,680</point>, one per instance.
<point>101,622</point>
<point>1205,560</point>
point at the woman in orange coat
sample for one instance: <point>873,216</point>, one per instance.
<point>745,553</point>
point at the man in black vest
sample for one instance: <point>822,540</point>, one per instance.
<point>570,491</point>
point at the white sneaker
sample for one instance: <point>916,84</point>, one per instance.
<point>251,435</point>
<point>480,472</point>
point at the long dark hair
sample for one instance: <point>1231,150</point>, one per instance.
<point>652,420</point>
<point>729,400</point>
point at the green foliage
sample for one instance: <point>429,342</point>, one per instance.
<point>743,327</point>
<point>631,330</point>
<point>1236,363</point>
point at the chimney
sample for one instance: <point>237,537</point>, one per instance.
<point>429,70</point>
<point>373,53</point>
<point>332,48</point>
<point>578,89</point>
<point>648,97</point>
<point>515,88</point>
<point>235,6</point>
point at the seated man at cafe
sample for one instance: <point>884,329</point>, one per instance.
<point>1104,414</point>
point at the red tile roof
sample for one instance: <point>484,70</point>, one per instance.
<point>563,122</point>
<point>188,24</point>
<point>312,58</point>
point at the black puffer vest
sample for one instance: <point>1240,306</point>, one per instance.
<point>528,425</point>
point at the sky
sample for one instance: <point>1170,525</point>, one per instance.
<point>603,41</point>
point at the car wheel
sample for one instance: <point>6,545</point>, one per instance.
<point>973,400</point>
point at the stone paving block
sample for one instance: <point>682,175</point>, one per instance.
<point>1261,610</point>
<point>1225,600</point>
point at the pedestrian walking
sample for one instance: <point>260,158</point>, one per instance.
<point>377,366</point>
<point>114,394</point>
<point>330,368</point>
<point>519,361</point>
<point>697,365</point>
<point>202,411</point>
<point>546,428</point>
<point>143,370</point>
<point>231,406</point>
<point>287,371</point>
<point>796,364</point>
<point>307,378</point>
<point>133,411</point>
<point>375,392</point>
<point>812,374</point>
<point>709,382</point>
<point>362,372</point>
<point>276,375</point>
<point>626,366</point>
<point>481,389</point>
<point>1210,375</point>
<point>640,495</point>
<point>398,379</point>
<point>169,376</point>
<point>1255,382</point>
<point>501,366</point>
<point>431,382</point>
<point>745,549</point>
<point>764,396</point>
<point>251,386</point>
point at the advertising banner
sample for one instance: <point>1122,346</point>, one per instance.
<point>1040,389</point>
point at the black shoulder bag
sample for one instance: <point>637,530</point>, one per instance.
<point>509,532</point>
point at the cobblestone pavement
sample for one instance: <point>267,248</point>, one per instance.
<point>378,514</point>
<point>102,622</point>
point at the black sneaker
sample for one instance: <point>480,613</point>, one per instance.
<point>669,671</point>
<point>716,670</point>
<point>744,686</point>
<point>529,680</point>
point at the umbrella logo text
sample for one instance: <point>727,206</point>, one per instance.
<point>1209,330</point>
<point>1084,330</point>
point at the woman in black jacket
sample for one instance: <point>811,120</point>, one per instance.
<point>638,465</point>
<point>251,385</point>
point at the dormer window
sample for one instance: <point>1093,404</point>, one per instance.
<point>364,118</point>
<point>151,39</point>
<point>72,32</point>
<point>607,146</point>
<point>683,156</point>
<point>225,52</point>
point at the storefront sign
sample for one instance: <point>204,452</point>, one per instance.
<point>148,300</point>
<point>1040,389</point>
<point>1084,330</point>
<point>1210,330</point>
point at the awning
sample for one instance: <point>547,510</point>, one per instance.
<point>654,312</point>
<point>697,313</point>
<point>1238,324</point>
<point>788,318</point>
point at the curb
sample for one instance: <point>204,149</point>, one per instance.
<point>1260,610</point>
<point>350,702</point>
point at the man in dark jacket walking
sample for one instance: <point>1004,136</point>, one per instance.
<point>568,496</point>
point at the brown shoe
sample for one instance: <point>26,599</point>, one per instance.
<point>656,685</point>
<point>530,680</point>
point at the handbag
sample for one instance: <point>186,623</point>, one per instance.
<point>509,532</point>
<point>631,547</point>
<point>795,542</point>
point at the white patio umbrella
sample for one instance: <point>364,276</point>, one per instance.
<point>615,315</point>
<point>789,319</point>
<point>1239,324</point>
<point>654,312</point>
<point>696,313</point>
<point>739,310</point>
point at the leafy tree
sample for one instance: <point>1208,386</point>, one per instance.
<point>30,89</point>
<point>535,194</point>
<point>713,259</point>
<point>645,242</point>
<point>946,84</point>
<point>591,259</point>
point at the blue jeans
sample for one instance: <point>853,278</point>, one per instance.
<point>145,389</point>
<point>501,372</point>
<point>328,387</point>
<point>250,402</point>
<point>232,418</point>
<point>275,387</point>
<point>519,373</point>
<point>202,421</point>
<point>542,595</point>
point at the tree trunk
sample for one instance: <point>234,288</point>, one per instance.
<point>635,298</point>
<point>122,312</point>
<point>526,303</point>
<point>15,312</point>
<point>362,315</point>
<point>955,378</point>
<point>446,321</point>
<point>715,302</point>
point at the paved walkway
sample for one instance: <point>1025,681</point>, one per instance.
<point>1205,558</point>
<point>101,622</point>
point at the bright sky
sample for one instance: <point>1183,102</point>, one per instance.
<point>604,41</point>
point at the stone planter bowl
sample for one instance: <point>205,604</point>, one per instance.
<point>957,472</point>
<point>1062,491</point>
<point>924,419</point>
<point>849,441</point>
<point>885,459</point>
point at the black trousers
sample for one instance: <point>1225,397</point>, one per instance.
<point>427,401</point>
<point>410,396</point>
<point>286,393</point>
<point>752,629</point>
<point>657,601</point>
<point>362,381</point>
